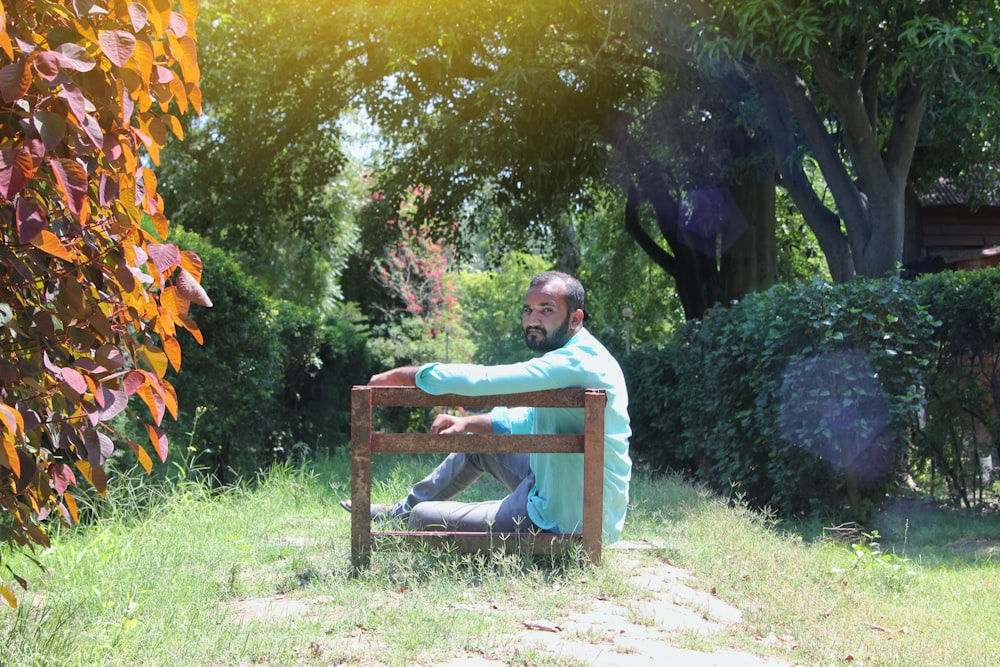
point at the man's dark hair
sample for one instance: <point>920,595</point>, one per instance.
<point>574,290</point>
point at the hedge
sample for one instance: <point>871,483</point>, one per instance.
<point>963,385</point>
<point>802,398</point>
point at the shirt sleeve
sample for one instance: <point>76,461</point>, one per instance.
<point>554,370</point>
<point>513,421</point>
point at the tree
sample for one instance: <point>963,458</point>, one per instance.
<point>93,296</point>
<point>537,100</point>
<point>851,85</point>
<point>262,173</point>
<point>638,283</point>
<point>492,302</point>
<point>526,106</point>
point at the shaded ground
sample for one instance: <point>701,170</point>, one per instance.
<point>611,633</point>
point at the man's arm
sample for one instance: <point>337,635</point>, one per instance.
<point>404,376</point>
<point>445,424</point>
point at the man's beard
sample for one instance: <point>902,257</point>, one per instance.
<point>548,342</point>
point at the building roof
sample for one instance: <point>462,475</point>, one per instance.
<point>946,192</point>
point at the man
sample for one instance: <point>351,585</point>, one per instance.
<point>546,490</point>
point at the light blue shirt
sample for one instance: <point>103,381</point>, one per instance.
<point>556,502</point>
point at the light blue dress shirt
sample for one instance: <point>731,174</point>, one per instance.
<point>556,502</point>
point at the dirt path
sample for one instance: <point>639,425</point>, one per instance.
<point>639,633</point>
<point>611,633</point>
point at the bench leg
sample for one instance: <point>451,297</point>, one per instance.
<point>361,477</point>
<point>593,474</point>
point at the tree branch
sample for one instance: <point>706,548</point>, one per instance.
<point>859,132</point>
<point>654,250</point>
<point>861,53</point>
<point>824,223</point>
<point>870,89</point>
<point>850,204</point>
<point>911,105</point>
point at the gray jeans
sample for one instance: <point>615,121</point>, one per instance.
<point>429,506</point>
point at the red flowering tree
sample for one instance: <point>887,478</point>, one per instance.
<point>92,296</point>
<point>427,326</point>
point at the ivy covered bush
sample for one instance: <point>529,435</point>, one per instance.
<point>802,398</point>
<point>963,387</point>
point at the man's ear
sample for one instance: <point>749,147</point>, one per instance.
<point>576,319</point>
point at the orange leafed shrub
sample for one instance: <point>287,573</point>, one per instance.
<point>92,295</point>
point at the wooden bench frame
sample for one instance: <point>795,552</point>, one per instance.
<point>365,442</point>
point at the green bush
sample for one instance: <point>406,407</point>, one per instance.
<point>800,398</point>
<point>324,356</point>
<point>492,302</point>
<point>270,377</point>
<point>233,377</point>
<point>963,387</point>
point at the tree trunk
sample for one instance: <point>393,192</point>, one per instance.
<point>569,258</point>
<point>883,252</point>
<point>778,98</point>
<point>751,264</point>
<point>702,280</point>
<point>870,196</point>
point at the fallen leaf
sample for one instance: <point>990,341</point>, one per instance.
<point>879,628</point>
<point>545,626</point>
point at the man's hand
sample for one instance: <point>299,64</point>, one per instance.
<point>445,424</point>
<point>404,376</point>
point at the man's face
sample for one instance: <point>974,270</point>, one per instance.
<point>546,319</point>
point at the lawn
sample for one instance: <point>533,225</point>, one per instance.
<point>152,578</point>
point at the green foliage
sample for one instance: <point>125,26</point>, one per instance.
<point>271,376</point>
<point>479,97</point>
<point>492,298</point>
<point>607,251</point>
<point>527,107</point>
<point>889,571</point>
<point>263,173</point>
<point>492,302</point>
<point>513,112</point>
<point>963,386</point>
<point>800,258</point>
<point>92,293</point>
<point>323,357</point>
<point>235,374</point>
<point>799,398</point>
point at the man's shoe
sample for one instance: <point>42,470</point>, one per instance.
<point>379,512</point>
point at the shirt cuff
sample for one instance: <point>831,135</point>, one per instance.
<point>423,377</point>
<point>501,420</point>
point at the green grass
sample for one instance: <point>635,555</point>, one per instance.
<point>156,580</point>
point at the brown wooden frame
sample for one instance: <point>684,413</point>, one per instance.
<point>365,442</point>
